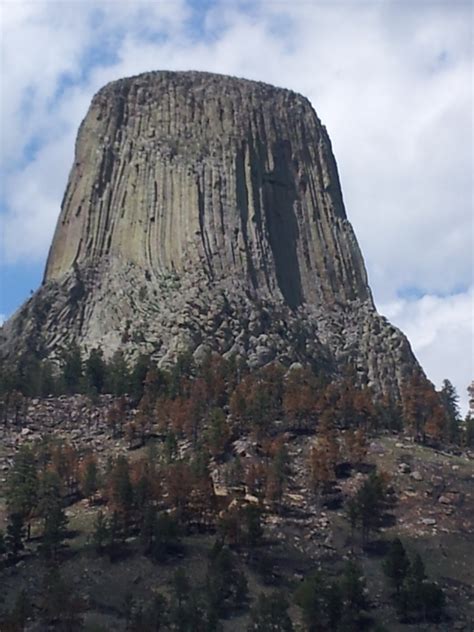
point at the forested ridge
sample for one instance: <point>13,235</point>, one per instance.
<point>207,455</point>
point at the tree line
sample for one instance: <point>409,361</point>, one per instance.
<point>180,397</point>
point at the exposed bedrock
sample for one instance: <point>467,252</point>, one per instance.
<point>206,211</point>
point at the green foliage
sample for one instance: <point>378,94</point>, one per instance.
<point>170,447</point>
<point>416,598</point>
<point>333,605</point>
<point>59,605</point>
<point>218,433</point>
<point>252,525</point>
<point>72,369</point>
<point>165,537</point>
<point>226,585</point>
<point>101,534</point>
<point>396,565</point>
<point>367,507</point>
<point>118,380</point>
<point>151,617</point>
<point>15,535</point>
<point>137,377</point>
<point>469,432</point>
<point>90,481</point>
<point>121,486</point>
<point>22,483</point>
<point>95,372</point>
<point>312,598</point>
<point>15,620</point>
<point>352,590</point>
<point>270,614</point>
<point>51,510</point>
<point>450,399</point>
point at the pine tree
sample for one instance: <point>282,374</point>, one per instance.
<point>353,592</point>
<point>469,431</point>
<point>22,486</point>
<point>118,375</point>
<point>51,510</point>
<point>95,372</point>
<point>310,597</point>
<point>15,535</point>
<point>72,369</point>
<point>22,610</point>
<point>419,599</point>
<point>252,521</point>
<point>115,536</point>
<point>181,586</point>
<point>138,376</point>
<point>370,502</point>
<point>148,528</point>
<point>121,486</point>
<point>270,614</point>
<point>90,478</point>
<point>450,399</point>
<point>396,565</point>
<point>59,605</point>
<point>101,533</point>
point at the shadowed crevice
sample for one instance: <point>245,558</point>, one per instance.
<point>282,225</point>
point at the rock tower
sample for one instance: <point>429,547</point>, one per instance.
<point>205,212</point>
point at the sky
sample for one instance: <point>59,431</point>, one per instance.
<point>392,80</point>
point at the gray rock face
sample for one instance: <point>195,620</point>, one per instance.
<point>207,210</point>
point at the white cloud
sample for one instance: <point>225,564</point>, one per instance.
<point>441,331</point>
<point>392,82</point>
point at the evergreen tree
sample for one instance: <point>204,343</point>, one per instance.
<point>170,447</point>
<point>469,431</point>
<point>252,522</point>
<point>352,590</point>
<point>72,370</point>
<point>138,376</point>
<point>101,533</point>
<point>29,375</point>
<point>51,510</point>
<point>59,606</point>
<point>15,535</point>
<point>115,536</point>
<point>121,486</point>
<point>22,485</point>
<point>450,399</point>
<point>164,537</point>
<point>48,382</point>
<point>226,585</point>
<point>396,565</point>
<point>418,599</point>
<point>270,614</point>
<point>95,372</point>
<point>219,432</point>
<point>310,597</point>
<point>181,585</point>
<point>90,479</point>
<point>148,528</point>
<point>370,502</point>
<point>118,375</point>
<point>21,612</point>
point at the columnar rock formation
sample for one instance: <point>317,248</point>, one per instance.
<point>205,212</point>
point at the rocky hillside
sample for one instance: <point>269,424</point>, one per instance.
<point>106,582</point>
<point>205,211</point>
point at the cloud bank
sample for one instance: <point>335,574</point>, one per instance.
<point>392,81</point>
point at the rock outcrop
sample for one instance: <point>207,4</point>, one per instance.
<point>205,212</point>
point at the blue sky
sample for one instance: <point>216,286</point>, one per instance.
<point>391,80</point>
